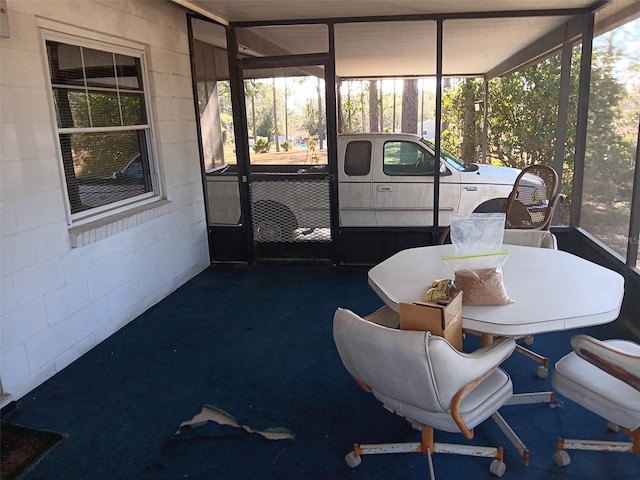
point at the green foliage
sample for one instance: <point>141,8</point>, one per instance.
<point>609,154</point>
<point>286,146</point>
<point>226,110</point>
<point>354,107</point>
<point>522,122</point>
<point>310,122</point>
<point>311,146</point>
<point>262,145</point>
<point>522,116</point>
<point>99,154</point>
<point>265,128</point>
<point>259,100</point>
<point>462,125</point>
<point>523,113</point>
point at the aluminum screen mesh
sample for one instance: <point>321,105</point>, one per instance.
<point>286,210</point>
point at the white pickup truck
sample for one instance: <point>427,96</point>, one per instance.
<point>384,180</point>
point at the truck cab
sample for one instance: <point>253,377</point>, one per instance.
<point>387,180</point>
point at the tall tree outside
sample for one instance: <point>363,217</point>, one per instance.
<point>410,100</point>
<point>374,106</point>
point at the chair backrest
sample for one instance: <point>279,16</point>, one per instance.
<point>622,364</point>
<point>393,363</point>
<point>533,199</point>
<point>403,367</point>
<point>530,238</point>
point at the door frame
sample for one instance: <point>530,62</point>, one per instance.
<point>238,64</point>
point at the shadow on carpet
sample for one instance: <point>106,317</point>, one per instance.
<point>22,448</point>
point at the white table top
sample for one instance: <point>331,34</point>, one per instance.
<point>553,290</point>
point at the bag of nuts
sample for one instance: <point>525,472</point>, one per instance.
<point>479,276</point>
<point>477,263</point>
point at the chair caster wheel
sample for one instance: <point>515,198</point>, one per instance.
<point>561,458</point>
<point>416,426</point>
<point>352,459</point>
<point>556,403</point>
<point>542,372</point>
<point>498,467</point>
<point>614,427</point>
<point>528,341</point>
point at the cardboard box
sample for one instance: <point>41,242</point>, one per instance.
<point>442,320</point>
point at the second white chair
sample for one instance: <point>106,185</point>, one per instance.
<point>424,379</point>
<point>603,377</point>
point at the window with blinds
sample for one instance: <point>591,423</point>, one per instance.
<point>103,126</point>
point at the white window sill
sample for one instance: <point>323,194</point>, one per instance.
<point>91,232</point>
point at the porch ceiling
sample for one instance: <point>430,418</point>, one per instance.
<point>479,36</point>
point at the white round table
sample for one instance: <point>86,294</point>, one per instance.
<point>552,290</point>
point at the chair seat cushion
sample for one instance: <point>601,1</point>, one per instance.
<point>598,391</point>
<point>478,405</point>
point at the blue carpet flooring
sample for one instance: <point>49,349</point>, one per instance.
<point>256,342</point>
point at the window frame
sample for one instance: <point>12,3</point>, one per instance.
<point>387,167</point>
<point>111,46</point>
<point>354,162</point>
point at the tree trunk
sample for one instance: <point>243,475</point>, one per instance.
<point>468,123</point>
<point>362,113</point>
<point>373,106</point>
<point>381,108</point>
<point>421,131</point>
<point>393,121</point>
<point>275,117</point>
<point>340,106</point>
<point>253,117</point>
<point>286,112</point>
<point>320,122</point>
<point>410,106</point>
<point>349,108</point>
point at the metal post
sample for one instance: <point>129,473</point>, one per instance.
<point>485,120</point>
<point>634,224</point>
<point>241,135</point>
<point>438,120</point>
<point>332,138</point>
<point>583,112</point>
<point>194,87</point>
<point>563,107</point>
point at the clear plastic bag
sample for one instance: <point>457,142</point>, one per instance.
<point>477,232</point>
<point>477,265</point>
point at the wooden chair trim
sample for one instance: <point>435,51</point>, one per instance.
<point>455,405</point>
<point>613,370</point>
<point>363,385</point>
<point>459,396</point>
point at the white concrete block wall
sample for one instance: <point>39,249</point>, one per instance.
<point>57,302</point>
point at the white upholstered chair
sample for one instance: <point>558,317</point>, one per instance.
<point>603,377</point>
<point>530,238</point>
<point>424,379</point>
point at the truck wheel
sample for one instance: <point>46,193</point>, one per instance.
<point>268,231</point>
<point>493,205</point>
<point>273,222</point>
